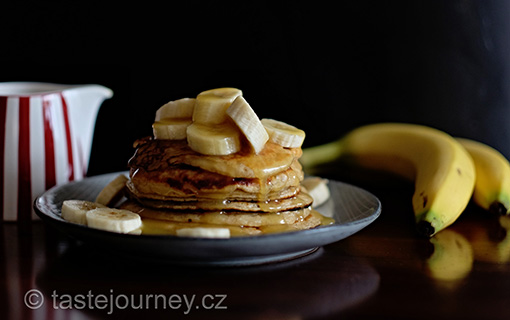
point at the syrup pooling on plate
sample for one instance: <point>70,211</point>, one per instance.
<point>165,227</point>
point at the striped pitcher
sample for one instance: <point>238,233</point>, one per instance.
<point>46,134</point>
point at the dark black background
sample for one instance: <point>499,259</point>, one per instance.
<point>323,68</point>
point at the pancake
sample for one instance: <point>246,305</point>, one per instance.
<point>159,155</point>
<point>300,200</point>
<point>171,186</point>
<point>168,174</point>
<point>184,181</point>
<point>218,217</point>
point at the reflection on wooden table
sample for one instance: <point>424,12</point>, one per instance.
<point>77,280</point>
<point>384,270</point>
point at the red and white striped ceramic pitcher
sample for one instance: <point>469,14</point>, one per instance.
<point>45,139</point>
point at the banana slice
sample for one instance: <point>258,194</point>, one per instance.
<point>177,109</point>
<point>249,123</point>
<point>113,191</point>
<point>75,211</point>
<point>115,220</point>
<point>214,140</point>
<point>199,232</point>
<point>318,189</point>
<point>171,129</point>
<point>211,105</point>
<point>283,134</point>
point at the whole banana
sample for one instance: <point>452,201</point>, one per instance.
<point>442,170</point>
<point>492,186</point>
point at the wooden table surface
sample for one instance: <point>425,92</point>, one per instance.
<point>382,272</point>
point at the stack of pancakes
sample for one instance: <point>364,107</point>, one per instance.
<point>246,192</point>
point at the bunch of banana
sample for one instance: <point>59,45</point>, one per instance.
<point>218,120</point>
<point>442,170</point>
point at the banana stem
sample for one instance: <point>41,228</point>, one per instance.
<point>317,155</point>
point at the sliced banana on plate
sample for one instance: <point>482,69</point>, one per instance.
<point>318,189</point>
<point>113,191</point>
<point>199,232</point>
<point>75,211</point>
<point>115,220</point>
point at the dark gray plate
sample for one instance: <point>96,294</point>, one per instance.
<point>351,207</point>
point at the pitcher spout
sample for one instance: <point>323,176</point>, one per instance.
<point>84,103</point>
